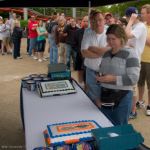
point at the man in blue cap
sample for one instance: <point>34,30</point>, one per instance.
<point>130,11</point>
<point>137,33</point>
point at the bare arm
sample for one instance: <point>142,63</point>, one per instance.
<point>106,78</point>
<point>128,29</point>
<point>89,54</point>
<point>94,52</point>
<point>98,50</point>
<point>34,28</point>
<point>148,41</point>
<point>40,33</point>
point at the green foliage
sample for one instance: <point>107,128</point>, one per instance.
<point>67,10</point>
<point>117,9</point>
<point>23,23</point>
<point>4,14</point>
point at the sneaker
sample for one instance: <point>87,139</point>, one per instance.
<point>44,59</point>
<point>133,115</point>
<point>140,104</point>
<point>35,58</point>
<point>39,60</point>
<point>9,53</point>
<point>148,110</point>
<point>20,57</point>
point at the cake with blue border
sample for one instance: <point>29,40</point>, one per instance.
<point>69,132</point>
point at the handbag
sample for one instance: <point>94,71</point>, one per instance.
<point>112,96</point>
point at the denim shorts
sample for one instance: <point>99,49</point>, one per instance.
<point>33,45</point>
<point>41,45</point>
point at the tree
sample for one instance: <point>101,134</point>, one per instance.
<point>119,9</point>
<point>116,9</point>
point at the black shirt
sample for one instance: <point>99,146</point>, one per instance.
<point>70,34</point>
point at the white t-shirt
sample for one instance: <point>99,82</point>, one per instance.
<point>91,38</point>
<point>138,42</point>
<point>2,30</point>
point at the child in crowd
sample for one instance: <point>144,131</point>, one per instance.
<point>16,36</point>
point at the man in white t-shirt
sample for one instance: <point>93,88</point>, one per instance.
<point>92,47</point>
<point>137,33</point>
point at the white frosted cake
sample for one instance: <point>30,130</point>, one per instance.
<point>51,88</point>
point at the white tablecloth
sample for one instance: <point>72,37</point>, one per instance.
<point>38,112</point>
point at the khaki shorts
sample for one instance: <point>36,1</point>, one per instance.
<point>144,75</point>
<point>6,40</point>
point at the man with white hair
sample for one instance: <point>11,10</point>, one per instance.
<point>61,39</point>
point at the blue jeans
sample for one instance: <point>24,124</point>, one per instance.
<point>32,45</point>
<point>120,114</point>
<point>69,52</point>
<point>93,88</point>
<point>50,39</point>
<point>53,54</point>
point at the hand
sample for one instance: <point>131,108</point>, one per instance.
<point>106,78</point>
<point>133,17</point>
<point>34,28</point>
<point>92,48</point>
<point>98,103</point>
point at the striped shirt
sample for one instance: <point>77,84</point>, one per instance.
<point>124,65</point>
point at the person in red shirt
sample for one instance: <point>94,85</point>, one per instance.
<point>33,36</point>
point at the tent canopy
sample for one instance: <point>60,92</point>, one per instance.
<point>58,3</point>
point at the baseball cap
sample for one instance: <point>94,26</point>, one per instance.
<point>130,11</point>
<point>108,14</point>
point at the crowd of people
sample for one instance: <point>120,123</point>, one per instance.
<point>10,35</point>
<point>111,55</point>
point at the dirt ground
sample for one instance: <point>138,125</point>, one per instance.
<point>11,72</point>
